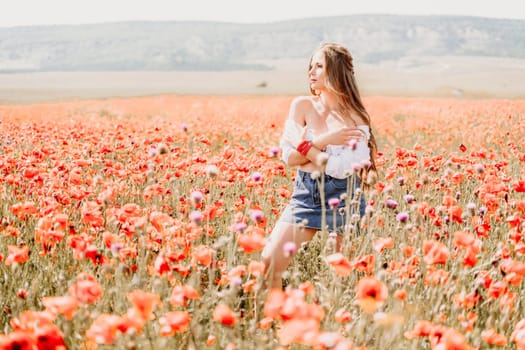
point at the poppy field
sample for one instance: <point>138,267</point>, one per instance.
<point>138,223</point>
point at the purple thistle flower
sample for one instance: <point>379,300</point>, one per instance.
<point>402,217</point>
<point>333,202</point>
<point>256,215</point>
<point>409,198</point>
<point>482,210</point>
<point>289,248</point>
<point>196,216</point>
<point>256,176</point>
<point>240,226</point>
<point>390,203</point>
<point>196,196</point>
<point>274,151</point>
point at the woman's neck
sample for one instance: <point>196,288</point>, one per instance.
<point>330,102</point>
<point>332,105</point>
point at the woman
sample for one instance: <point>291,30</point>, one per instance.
<point>328,137</point>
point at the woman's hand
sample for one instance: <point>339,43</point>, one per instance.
<point>341,137</point>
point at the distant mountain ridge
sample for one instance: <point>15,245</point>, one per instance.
<point>220,46</point>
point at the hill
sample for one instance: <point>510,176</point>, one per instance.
<point>211,46</point>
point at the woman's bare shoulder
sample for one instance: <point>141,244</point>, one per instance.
<point>303,102</point>
<point>302,108</point>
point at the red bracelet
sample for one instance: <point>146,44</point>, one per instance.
<point>304,147</point>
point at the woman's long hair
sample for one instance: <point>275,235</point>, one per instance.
<point>339,68</point>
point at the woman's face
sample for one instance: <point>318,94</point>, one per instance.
<point>317,73</point>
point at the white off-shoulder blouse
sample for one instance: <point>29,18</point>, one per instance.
<point>342,160</point>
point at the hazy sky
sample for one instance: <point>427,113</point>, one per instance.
<point>35,12</point>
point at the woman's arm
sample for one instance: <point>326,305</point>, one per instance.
<point>295,132</point>
<point>350,159</point>
<point>314,155</point>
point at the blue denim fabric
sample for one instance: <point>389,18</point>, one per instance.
<point>306,206</point>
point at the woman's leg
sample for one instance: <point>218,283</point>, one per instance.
<point>275,259</point>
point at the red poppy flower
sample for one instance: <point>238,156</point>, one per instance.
<point>224,315</point>
<point>174,322</point>
<point>340,263</point>
<point>66,305</point>
<point>17,254</point>
<point>86,289</point>
<point>371,293</point>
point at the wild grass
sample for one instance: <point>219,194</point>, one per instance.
<point>138,220</point>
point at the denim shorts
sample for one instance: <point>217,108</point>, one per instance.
<point>306,206</point>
